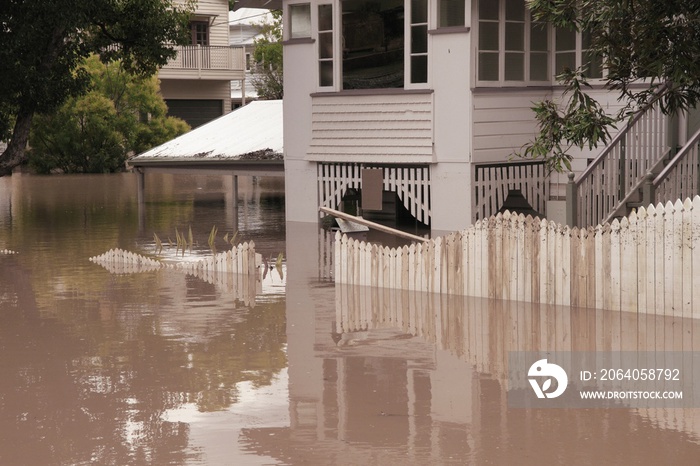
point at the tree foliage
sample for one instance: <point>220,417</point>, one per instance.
<point>581,122</point>
<point>42,44</point>
<point>651,55</point>
<point>123,113</point>
<point>268,73</point>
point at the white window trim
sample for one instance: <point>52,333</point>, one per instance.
<point>287,20</point>
<point>407,84</point>
<point>502,82</point>
<point>336,46</point>
<point>315,26</point>
<point>434,13</point>
<point>338,40</point>
<point>501,54</point>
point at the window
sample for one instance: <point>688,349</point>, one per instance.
<point>450,13</point>
<point>564,50</point>
<point>539,51</point>
<point>572,49</point>
<point>325,45</point>
<point>489,40</point>
<point>514,63</point>
<point>247,61</point>
<point>594,63</point>
<point>515,49</point>
<point>299,21</point>
<point>199,31</point>
<point>373,44</point>
<point>419,41</point>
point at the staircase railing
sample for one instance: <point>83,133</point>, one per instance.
<point>680,179</point>
<point>621,166</point>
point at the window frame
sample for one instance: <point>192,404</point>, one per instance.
<point>438,16</point>
<point>196,32</point>
<point>338,40</point>
<point>316,27</point>
<point>288,30</point>
<point>408,52</point>
<point>528,52</point>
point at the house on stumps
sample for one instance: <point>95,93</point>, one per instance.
<point>437,95</point>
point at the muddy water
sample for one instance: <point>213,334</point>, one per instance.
<point>164,368</point>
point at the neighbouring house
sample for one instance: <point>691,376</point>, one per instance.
<point>244,30</point>
<point>413,108</point>
<point>196,85</point>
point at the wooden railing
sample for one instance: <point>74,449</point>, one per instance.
<point>680,178</point>
<point>200,57</point>
<point>623,165</point>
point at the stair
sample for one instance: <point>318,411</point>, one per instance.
<point>635,199</point>
<point>611,184</point>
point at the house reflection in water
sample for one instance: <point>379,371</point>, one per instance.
<point>390,377</point>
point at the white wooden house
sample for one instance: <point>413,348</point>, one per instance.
<point>438,95</point>
<point>196,85</point>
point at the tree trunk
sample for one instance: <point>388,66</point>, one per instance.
<point>15,154</point>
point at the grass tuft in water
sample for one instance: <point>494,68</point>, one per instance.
<point>159,245</point>
<point>212,239</point>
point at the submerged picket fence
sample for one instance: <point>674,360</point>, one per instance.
<point>648,262</point>
<point>241,259</point>
<point>235,270</point>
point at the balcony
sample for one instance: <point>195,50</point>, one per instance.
<point>205,62</point>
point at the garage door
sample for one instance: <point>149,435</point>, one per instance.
<point>195,112</point>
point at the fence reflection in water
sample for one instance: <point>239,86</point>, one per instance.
<point>482,331</point>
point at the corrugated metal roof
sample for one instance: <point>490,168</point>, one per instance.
<point>249,16</point>
<point>253,128</point>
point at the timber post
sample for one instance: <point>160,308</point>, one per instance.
<point>141,197</point>
<point>648,190</point>
<point>571,202</point>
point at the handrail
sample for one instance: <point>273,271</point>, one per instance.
<point>620,167</point>
<point>611,145</point>
<point>675,160</point>
<point>207,57</point>
<point>635,189</point>
<point>376,226</point>
<point>616,139</point>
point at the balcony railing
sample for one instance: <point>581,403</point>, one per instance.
<point>201,57</point>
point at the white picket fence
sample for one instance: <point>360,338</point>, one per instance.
<point>649,262</point>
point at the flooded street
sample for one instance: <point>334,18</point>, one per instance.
<point>161,367</point>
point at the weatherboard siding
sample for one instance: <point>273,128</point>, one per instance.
<point>217,12</point>
<point>393,128</point>
<point>504,121</point>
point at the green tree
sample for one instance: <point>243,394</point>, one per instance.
<point>651,55</point>
<point>267,76</point>
<point>122,114</point>
<point>42,44</point>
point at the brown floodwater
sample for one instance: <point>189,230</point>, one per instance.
<point>160,367</point>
